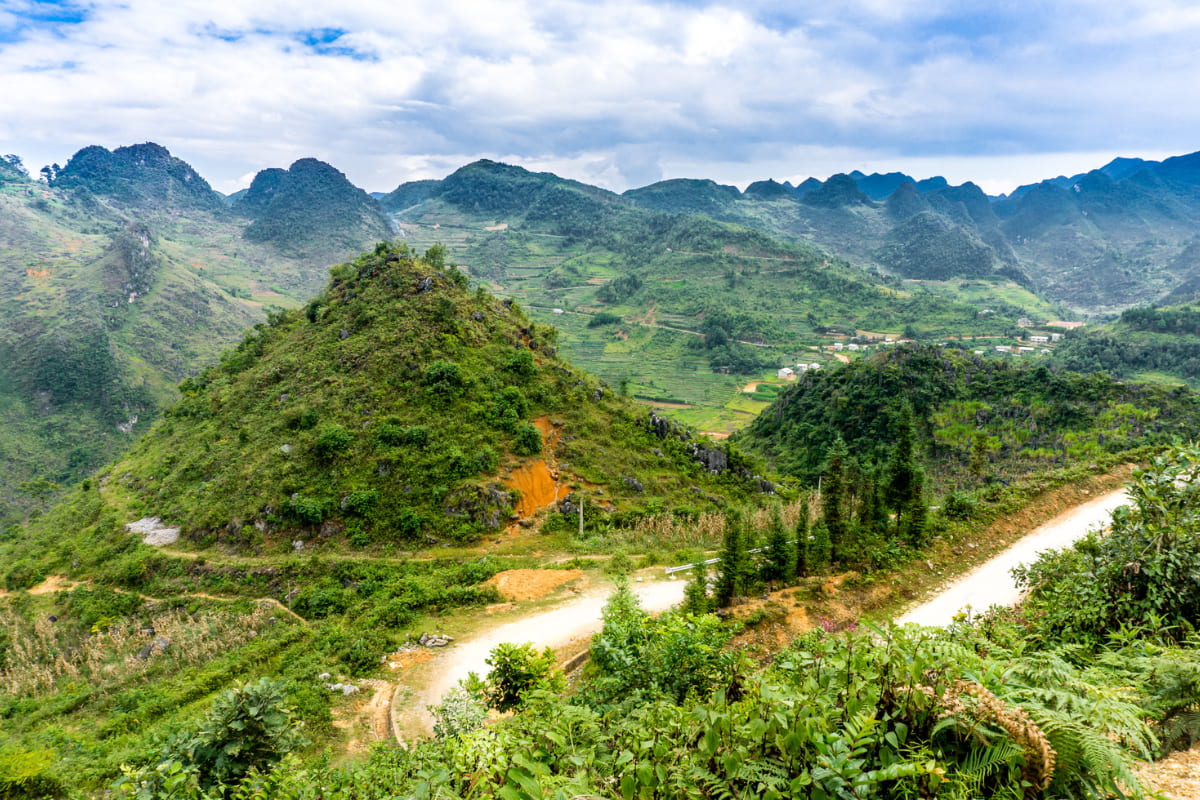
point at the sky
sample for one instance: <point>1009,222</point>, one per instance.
<point>618,93</point>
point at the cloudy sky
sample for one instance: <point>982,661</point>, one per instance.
<point>615,92</point>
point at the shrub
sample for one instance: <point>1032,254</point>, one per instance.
<point>332,441</point>
<point>361,502</point>
<point>445,380</point>
<point>528,440</point>
<point>603,318</point>
<point>520,363</point>
<point>518,669</point>
<point>460,711</point>
<point>416,436</point>
<point>308,510</point>
<point>248,727</point>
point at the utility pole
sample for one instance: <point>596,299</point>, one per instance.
<point>581,517</point>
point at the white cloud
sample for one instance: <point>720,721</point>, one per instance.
<point>617,92</point>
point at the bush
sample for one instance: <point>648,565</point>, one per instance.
<point>603,318</point>
<point>249,727</point>
<point>361,502</point>
<point>308,510</point>
<point>518,669</point>
<point>528,441</point>
<point>332,441</point>
<point>520,364</point>
<point>460,711</point>
<point>958,505</point>
<point>445,380</point>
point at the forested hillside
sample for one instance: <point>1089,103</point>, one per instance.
<point>976,421</point>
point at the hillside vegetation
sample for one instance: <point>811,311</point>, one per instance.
<point>676,306</point>
<point>1051,700</point>
<point>386,409</point>
<point>977,420</point>
<point>394,412</point>
<point>119,277</point>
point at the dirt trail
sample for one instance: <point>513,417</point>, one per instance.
<point>991,584</point>
<point>557,627</point>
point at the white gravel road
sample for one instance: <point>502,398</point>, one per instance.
<point>572,620</point>
<point>991,584</point>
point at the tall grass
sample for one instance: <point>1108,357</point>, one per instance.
<point>39,656</point>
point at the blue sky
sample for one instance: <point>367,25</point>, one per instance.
<point>614,92</point>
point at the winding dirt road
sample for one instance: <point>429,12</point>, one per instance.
<point>987,585</point>
<point>991,584</point>
<point>553,628</point>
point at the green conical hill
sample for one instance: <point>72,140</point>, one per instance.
<point>400,407</point>
<point>312,208</point>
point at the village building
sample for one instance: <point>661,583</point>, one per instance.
<point>786,372</point>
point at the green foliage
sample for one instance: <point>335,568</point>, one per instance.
<point>636,658</point>
<point>696,598</point>
<point>332,441</point>
<point>779,565</point>
<point>972,418</point>
<point>603,318</point>
<point>27,774</point>
<point>1138,576</point>
<point>460,712</point>
<point>735,568</point>
<point>528,440</point>
<point>248,727</point>
<point>517,670</point>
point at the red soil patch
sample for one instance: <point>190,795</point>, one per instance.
<point>408,658</point>
<point>537,485</point>
<point>530,584</point>
<point>536,480</point>
<point>38,274</point>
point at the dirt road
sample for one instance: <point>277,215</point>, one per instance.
<point>575,619</point>
<point>991,584</point>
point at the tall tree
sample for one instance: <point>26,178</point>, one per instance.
<point>803,545</point>
<point>833,499</point>
<point>695,594</point>
<point>735,562</point>
<point>780,562</point>
<point>905,481</point>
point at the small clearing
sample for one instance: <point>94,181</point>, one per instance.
<point>530,584</point>
<point>153,532</point>
<point>52,584</point>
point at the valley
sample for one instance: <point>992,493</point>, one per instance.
<point>537,381</point>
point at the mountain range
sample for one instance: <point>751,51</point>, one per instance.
<point>125,272</point>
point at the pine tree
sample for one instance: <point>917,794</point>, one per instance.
<point>803,546</point>
<point>914,518</point>
<point>695,594</point>
<point>833,499</point>
<point>904,480</point>
<point>871,519</point>
<point>819,548</point>
<point>734,564</point>
<point>780,563</point>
